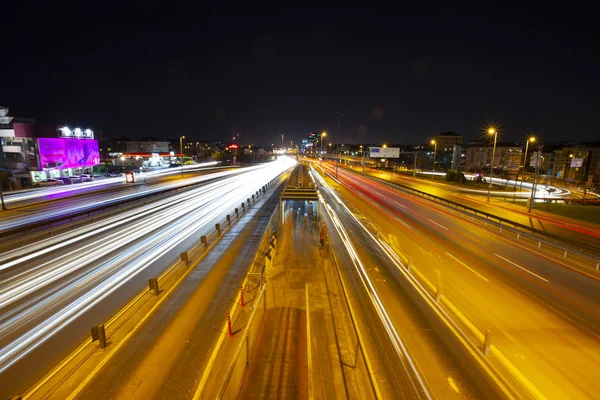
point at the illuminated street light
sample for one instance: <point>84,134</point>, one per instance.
<point>538,161</point>
<point>385,146</point>
<point>323,136</point>
<point>492,131</point>
<point>434,144</point>
<point>531,139</point>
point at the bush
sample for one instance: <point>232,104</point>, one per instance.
<point>455,176</point>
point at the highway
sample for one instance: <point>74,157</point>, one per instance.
<point>19,198</point>
<point>545,318</point>
<point>410,359</point>
<point>47,204</point>
<point>579,231</point>
<point>54,290</point>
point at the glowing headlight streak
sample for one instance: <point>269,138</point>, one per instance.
<point>109,198</point>
<point>112,273</point>
<point>430,301</point>
<point>398,344</point>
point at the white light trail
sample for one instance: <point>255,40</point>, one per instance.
<point>388,325</point>
<point>40,296</point>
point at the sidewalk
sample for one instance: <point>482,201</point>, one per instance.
<point>279,366</point>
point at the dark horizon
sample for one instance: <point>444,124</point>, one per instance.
<point>398,75</point>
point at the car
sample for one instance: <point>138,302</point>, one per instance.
<point>113,173</point>
<point>75,179</point>
<point>64,179</point>
<point>86,177</point>
<point>49,182</point>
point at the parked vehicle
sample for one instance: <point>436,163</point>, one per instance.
<point>86,177</point>
<point>49,182</point>
<point>75,179</point>
<point>113,173</point>
<point>64,179</point>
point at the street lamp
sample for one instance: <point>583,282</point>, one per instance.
<point>434,144</point>
<point>494,132</point>
<point>362,153</point>
<point>531,139</point>
<point>337,146</point>
<point>323,136</point>
<point>538,161</point>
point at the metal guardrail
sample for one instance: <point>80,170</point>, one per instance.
<point>232,382</point>
<point>152,288</point>
<point>503,223</point>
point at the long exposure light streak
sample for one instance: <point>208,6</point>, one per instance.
<point>403,354</point>
<point>48,285</point>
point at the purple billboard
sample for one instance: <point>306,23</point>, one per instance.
<point>68,153</point>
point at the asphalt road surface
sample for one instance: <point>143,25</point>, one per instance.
<point>53,290</point>
<point>544,316</point>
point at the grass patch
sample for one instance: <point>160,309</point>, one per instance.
<point>575,211</point>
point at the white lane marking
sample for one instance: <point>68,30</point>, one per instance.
<point>467,267</point>
<point>441,226</point>
<point>403,223</point>
<point>524,269</point>
<point>399,205</point>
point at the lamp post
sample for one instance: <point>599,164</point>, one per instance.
<point>494,132</point>
<point>323,136</point>
<point>531,139</point>
<point>434,143</point>
<point>337,146</point>
<point>538,161</point>
<point>362,153</point>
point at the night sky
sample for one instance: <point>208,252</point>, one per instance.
<point>399,74</point>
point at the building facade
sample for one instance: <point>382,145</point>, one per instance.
<point>446,140</point>
<point>507,158</point>
<point>31,152</point>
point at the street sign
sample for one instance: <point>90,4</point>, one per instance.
<point>384,152</point>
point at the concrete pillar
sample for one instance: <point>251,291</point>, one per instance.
<point>218,228</point>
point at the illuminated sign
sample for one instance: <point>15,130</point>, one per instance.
<point>384,152</point>
<point>76,133</point>
<point>68,153</point>
<point>129,178</point>
<point>233,146</point>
